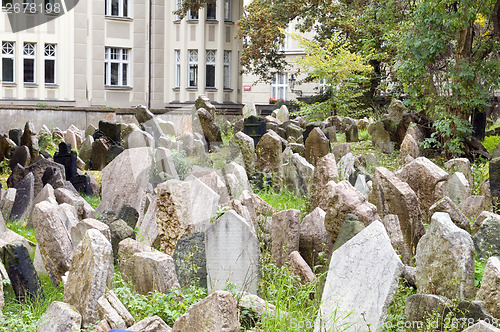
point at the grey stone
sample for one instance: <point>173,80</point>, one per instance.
<point>142,114</point>
<point>85,152</point>
<point>482,326</point>
<point>139,139</point>
<point>147,227</point>
<point>248,110</point>
<point>190,260</point>
<point>99,154</point>
<point>324,172</point>
<point>38,169</point>
<point>317,146</point>
<point>211,130</point>
<point>446,205</point>
<point>487,237</point>
<point>473,310</point>
<point>445,260</point>
<point>282,114</point>
<point>242,146</point>
<point>346,166</point>
<point>420,307</point>
<point>298,174</point>
<point>393,228</point>
<point>482,217</point>
<point>7,202</point>
<point>232,254</point>
<point>83,209</point>
<point>340,150</point>
<point>129,215</point>
<point>165,163</point>
<point>29,139</point>
<point>299,267</point>
<point>488,293</point>
<point>269,154</point>
<point>396,110</point>
<point>461,165</point>
<point>351,133</point>
<point>6,144</point>
<point>410,148</point>
<point>355,299</point>
<point>90,274</point>
<point>126,250</point>
<point>25,194</point>
<point>151,324</point>
<point>216,312</point>
<point>344,199</point>
<point>119,231</point>
<point>78,232</point>
<point>314,238</point>
<point>381,138</point>
<point>285,235</point>
<point>20,156</point>
<point>458,187</point>
<point>60,317</point>
<point>350,228</point>
<point>53,239</point>
<point>361,185</point>
<point>473,205</point>
<point>118,190</point>
<point>168,127</point>
<point>108,314</point>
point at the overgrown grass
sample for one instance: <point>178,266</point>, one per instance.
<point>283,200</point>
<point>22,317</point>
<point>168,307</point>
<point>21,229</point>
<point>396,312</point>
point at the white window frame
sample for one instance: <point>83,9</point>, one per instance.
<point>50,54</point>
<point>279,86</point>
<point>29,6</point>
<point>227,11</point>
<point>177,55</point>
<point>120,56</point>
<point>178,4</point>
<point>227,69</point>
<point>210,61</point>
<point>29,53</point>
<point>192,16</point>
<point>122,4</point>
<point>9,52</point>
<point>193,68</point>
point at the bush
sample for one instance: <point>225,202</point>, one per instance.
<point>491,142</point>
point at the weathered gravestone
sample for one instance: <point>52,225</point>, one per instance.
<point>350,299</point>
<point>314,238</point>
<point>90,274</point>
<point>22,274</point>
<point>255,128</point>
<point>112,130</point>
<point>15,135</point>
<point>24,198</point>
<point>317,145</point>
<point>20,156</point>
<point>232,251</point>
<point>285,235</point>
<point>190,260</point>
<point>60,317</point>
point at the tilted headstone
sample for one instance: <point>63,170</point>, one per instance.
<point>285,235</point>
<point>24,198</point>
<point>66,157</point>
<point>255,128</point>
<point>190,260</point>
<point>112,130</point>
<point>232,252</point>
<point>350,299</point>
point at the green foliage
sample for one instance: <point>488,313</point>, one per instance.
<point>480,173</point>
<point>21,229</point>
<point>182,165</point>
<point>479,265</point>
<point>491,142</point>
<point>168,307</point>
<point>21,317</point>
<point>4,167</point>
<point>48,143</point>
<point>345,71</point>
<point>450,135</point>
<point>94,201</point>
<point>396,312</point>
<point>283,199</point>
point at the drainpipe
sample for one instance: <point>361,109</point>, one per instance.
<point>150,54</point>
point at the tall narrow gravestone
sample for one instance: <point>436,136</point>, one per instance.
<point>233,252</point>
<point>67,158</point>
<point>255,128</point>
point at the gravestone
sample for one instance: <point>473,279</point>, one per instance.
<point>29,139</point>
<point>66,157</point>
<point>232,252</point>
<point>314,238</point>
<point>494,172</point>
<point>285,235</point>
<point>255,128</point>
<point>317,145</point>
<point>309,127</point>
<point>20,156</point>
<point>361,282</point>
<point>190,260</point>
<point>22,274</point>
<point>24,198</point>
<point>15,136</point>
<point>478,124</point>
<point>129,215</point>
<point>112,130</point>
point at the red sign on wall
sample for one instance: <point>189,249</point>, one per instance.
<point>247,88</point>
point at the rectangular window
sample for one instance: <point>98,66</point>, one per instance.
<point>50,63</point>
<point>8,56</point>
<point>210,69</point>
<point>29,6</point>
<point>279,86</point>
<point>116,66</point>
<point>178,4</point>
<point>211,10</point>
<point>29,56</point>
<point>52,6</point>
<point>193,69</point>
<point>117,8</point>
<point>177,68</point>
<point>227,10</point>
<point>193,14</point>
<point>227,69</point>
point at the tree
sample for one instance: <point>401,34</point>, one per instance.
<point>449,65</point>
<point>346,72</point>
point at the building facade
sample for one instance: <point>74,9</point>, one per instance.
<point>118,53</point>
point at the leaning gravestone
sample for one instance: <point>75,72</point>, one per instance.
<point>233,252</point>
<point>445,260</point>
<point>190,260</point>
<point>60,317</point>
<point>24,198</point>
<point>22,274</point>
<point>255,128</point>
<point>20,156</point>
<point>350,299</point>
<point>66,157</point>
<point>487,238</point>
<point>15,136</point>
<point>112,130</point>
<point>314,238</point>
<point>317,145</point>
<point>285,235</point>
<point>90,274</point>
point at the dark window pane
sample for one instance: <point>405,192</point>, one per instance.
<point>50,71</point>
<point>125,7</point>
<point>7,70</point>
<point>211,10</point>
<point>210,76</point>
<point>105,73</point>
<point>114,7</point>
<point>125,70</point>
<point>114,73</point>
<point>193,75</point>
<point>29,70</point>
<point>5,2</point>
<point>193,14</point>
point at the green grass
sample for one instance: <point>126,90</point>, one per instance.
<point>21,229</point>
<point>491,142</point>
<point>283,200</point>
<point>22,317</point>
<point>94,201</point>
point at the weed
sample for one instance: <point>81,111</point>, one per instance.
<point>94,201</point>
<point>21,229</point>
<point>479,265</point>
<point>283,200</point>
